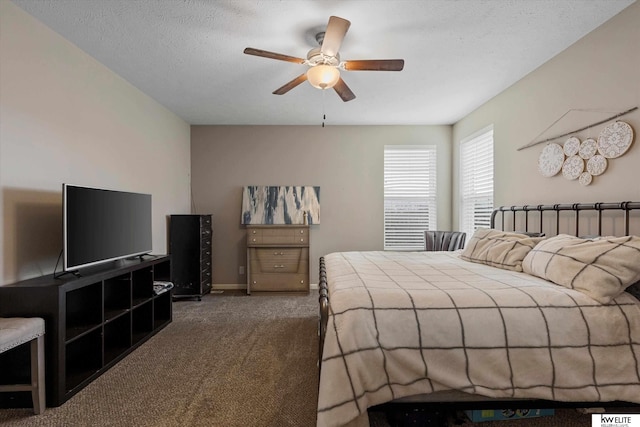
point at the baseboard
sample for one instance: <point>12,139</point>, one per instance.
<point>242,286</point>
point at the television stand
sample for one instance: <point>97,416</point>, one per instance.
<point>91,322</point>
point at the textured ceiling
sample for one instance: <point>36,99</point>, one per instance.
<point>187,54</point>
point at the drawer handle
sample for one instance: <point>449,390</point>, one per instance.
<point>253,240</point>
<point>301,231</point>
<point>278,266</point>
<point>278,253</point>
<point>302,240</point>
<point>254,231</point>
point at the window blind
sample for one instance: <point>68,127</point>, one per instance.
<point>476,181</point>
<point>409,195</point>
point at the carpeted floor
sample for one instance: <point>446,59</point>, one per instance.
<point>229,360</point>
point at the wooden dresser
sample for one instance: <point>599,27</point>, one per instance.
<point>277,258</point>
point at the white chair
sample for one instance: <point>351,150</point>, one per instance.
<point>15,331</point>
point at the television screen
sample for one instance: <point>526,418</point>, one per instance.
<point>104,225</point>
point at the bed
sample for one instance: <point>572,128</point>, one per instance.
<point>532,323</point>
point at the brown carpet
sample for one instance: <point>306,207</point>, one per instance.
<point>229,360</point>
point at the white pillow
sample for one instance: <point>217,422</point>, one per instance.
<point>601,268</point>
<point>500,249</point>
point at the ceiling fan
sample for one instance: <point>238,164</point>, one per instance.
<point>324,62</point>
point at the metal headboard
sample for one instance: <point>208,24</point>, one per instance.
<point>519,211</point>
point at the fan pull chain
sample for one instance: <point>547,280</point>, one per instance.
<point>324,115</point>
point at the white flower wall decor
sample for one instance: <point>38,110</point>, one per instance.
<point>582,160</point>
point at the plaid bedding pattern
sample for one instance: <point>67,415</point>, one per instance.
<point>406,323</point>
<point>500,249</point>
<point>600,268</point>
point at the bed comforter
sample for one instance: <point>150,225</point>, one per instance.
<point>402,324</point>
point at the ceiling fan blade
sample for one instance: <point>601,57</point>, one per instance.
<point>343,91</point>
<point>273,55</point>
<point>334,34</point>
<point>375,65</point>
<point>293,83</point>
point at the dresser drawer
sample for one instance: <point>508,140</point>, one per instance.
<point>205,262</point>
<point>205,254</point>
<point>205,275</point>
<point>205,234</point>
<point>290,235</point>
<point>279,282</point>
<point>205,222</point>
<point>205,243</point>
<point>279,260</point>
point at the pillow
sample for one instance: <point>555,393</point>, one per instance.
<point>500,249</point>
<point>602,268</point>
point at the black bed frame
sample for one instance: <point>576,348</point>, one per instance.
<point>512,218</point>
<point>521,213</point>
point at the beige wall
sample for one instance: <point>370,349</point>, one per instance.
<point>600,71</point>
<point>345,161</point>
<point>67,118</point>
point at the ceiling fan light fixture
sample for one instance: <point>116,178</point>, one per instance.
<point>323,76</point>
<point>324,62</point>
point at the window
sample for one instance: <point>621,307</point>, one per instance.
<point>476,181</point>
<point>409,195</point>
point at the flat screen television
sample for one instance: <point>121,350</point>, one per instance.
<point>100,226</point>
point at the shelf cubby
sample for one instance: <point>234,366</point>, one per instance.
<point>142,321</point>
<point>117,337</point>
<point>83,358</point>
<point>117,296</point>
<point>162,271</point>
<point>83,310</point>
<point>162,309</point>
<point>141,286</point>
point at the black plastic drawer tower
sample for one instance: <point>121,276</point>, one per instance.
<point>190,247</point>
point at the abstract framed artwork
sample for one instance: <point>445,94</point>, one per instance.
<point>263,204</point>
